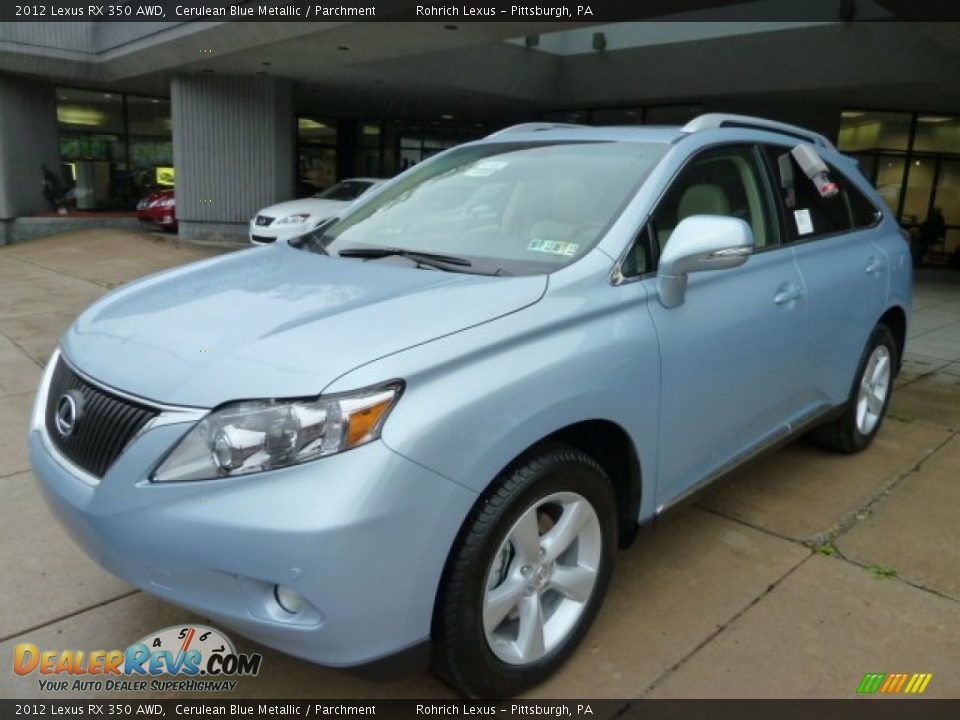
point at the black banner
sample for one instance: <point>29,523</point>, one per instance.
<point>878,709</point>
<point>580,11</point>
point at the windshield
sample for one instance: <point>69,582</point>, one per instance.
<point>346,190</point>
<point>506,208</point>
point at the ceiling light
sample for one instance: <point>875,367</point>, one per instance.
<point>851,114</point>
<point>934,118</point>
<point>446,116</point>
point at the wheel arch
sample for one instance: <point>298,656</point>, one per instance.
<point>895,318</point>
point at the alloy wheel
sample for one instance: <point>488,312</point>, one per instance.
<point>542,578</point>
<point>874,387</point>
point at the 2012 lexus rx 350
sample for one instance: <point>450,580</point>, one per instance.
<point>428,423</point>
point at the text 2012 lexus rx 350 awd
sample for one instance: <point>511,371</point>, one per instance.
<point>428,423</point>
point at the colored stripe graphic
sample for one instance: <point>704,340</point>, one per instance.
<point>871,682</point>
<point>893,683</point>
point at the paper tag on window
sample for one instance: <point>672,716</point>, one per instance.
<point>804,222</point>
<point>485,168</point>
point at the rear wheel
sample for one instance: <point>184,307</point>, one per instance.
<point>867,405</point>
<point>528,575</point>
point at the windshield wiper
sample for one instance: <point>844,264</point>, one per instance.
<point>423,258</point>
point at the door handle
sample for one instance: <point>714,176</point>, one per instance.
<point>874,265</point>
<point>787,293</point>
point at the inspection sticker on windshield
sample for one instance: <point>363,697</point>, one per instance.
<point>554,247</point>
<point>804,222</point>
<point>486,167</point>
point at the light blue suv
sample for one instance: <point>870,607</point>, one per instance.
<point>424,428</point>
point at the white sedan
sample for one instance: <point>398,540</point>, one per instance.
<point>294,218</point>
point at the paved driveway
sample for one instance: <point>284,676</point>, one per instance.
<point>791,579</point>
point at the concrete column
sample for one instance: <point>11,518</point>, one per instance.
<point>233,149</point>
<point>28,140</point>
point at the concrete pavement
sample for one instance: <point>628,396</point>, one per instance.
<point>792,578</point>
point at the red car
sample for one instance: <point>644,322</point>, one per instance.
<point>159,208</point>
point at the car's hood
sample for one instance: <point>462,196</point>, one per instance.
<point>318,209</point>
<point>274,322</point>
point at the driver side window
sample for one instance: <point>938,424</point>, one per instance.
<point>727,181</point>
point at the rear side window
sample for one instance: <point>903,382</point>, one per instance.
<point>810,215</point>
<point>863,212</point>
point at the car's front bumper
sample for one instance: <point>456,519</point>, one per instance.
<point>362,535</point>
<point>275,233</point>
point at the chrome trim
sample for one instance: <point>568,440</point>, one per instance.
<point>68,467</point>
<point>167,415</point>
<point>160,407</point>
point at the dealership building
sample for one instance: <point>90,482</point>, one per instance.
<point>240,115</point>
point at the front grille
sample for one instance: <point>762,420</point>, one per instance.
<point>263,238</point>
<point>264,220</point>
<point>104,423</point>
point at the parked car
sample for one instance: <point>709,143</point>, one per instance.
<point>424,429</point>
<point>159,208</point>
<point>294,218</point>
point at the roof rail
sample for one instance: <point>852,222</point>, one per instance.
<point>532,127</point>
<point>712,121</point>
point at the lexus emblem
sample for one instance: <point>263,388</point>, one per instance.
<point>68,413</point>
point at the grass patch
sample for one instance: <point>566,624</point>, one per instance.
<point>828,548</point>
<point>882,572</point>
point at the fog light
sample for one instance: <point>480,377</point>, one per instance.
<point>290,600</point>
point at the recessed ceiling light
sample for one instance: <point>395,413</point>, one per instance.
<point>851,114</point>
<point>934,118</point>
<point>446,116</point>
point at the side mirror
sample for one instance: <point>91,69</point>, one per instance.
<point>701,242</point>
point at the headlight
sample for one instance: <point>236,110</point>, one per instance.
<point>297,219</point>
<point>256,435</point>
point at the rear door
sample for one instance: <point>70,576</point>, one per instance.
<point>845,274</point>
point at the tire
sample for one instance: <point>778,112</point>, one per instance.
<point>852,431</point>
<point>491,560</point>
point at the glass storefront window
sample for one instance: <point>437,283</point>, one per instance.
<point>317,155</point>
<point>868,130</point>
<point>889,180</point>
<point>947,200</point>
<point>938,133</point>
<point>916,203</point>
<point>113,148</point>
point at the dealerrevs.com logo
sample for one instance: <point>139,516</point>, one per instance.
<point>203,657</point>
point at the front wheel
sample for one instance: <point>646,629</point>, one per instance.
<point>528,574</point>
<point>863,414</point>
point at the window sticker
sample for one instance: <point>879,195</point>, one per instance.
<point>554,247</point>
<point>485,168</point>
<point>804,221</point>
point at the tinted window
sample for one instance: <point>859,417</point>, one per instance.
<point>862,210</point>
<point>811,215</point>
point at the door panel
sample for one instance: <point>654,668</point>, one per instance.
<point>846,278</point>
<point>731,356</point>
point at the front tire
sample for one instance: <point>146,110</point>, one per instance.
<point>528,574</point>
<point>866,407</point>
